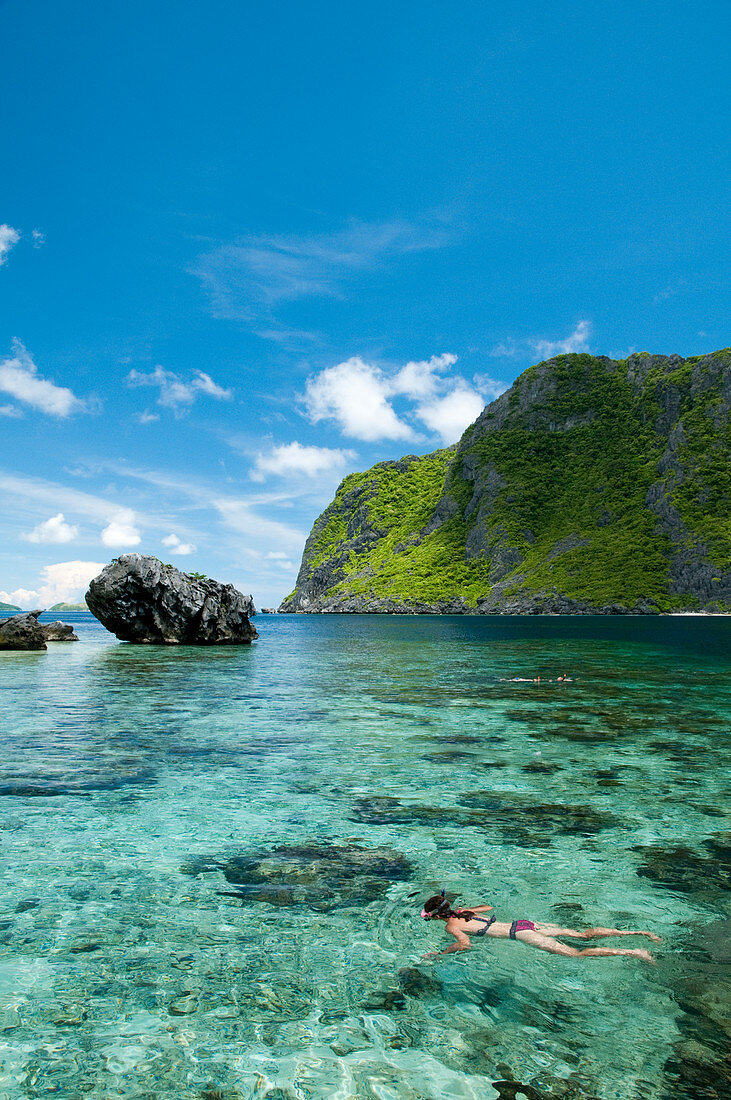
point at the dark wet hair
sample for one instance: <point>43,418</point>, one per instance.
<point>438,906</point>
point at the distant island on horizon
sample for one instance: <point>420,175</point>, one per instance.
<point>592,486</point>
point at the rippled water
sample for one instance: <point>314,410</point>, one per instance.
<point>327,772</point>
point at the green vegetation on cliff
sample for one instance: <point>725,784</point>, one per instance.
<point>591,483</point>
<point>8,609</point>
<point>69,607</point>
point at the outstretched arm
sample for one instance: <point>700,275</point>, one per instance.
<point>462,944</point>
<point>474,908</point>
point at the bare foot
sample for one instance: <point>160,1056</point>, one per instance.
<point>640,953</point>
<point>653,937</point>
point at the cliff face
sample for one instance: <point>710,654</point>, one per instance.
<point>592,485</point>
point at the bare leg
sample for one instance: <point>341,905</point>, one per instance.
<point>591,933</point>
<point>548,943</point>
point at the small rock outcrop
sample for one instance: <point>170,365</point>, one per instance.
<point>22,632</point>
<point>59,632</point>
<point>141,600</point>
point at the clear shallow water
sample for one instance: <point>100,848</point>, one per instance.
<point>331,769</point>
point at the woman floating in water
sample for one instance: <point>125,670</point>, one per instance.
<point>535,680</point>
<point>463,923</point>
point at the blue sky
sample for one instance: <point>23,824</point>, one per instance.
<point>249,248</point>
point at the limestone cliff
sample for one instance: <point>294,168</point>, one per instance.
<point>592,486</point>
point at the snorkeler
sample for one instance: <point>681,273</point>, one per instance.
<point>535,680</point>
<point>463,923</point>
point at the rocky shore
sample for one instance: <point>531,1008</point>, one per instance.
<point>592,487</point>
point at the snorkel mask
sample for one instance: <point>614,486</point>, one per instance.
<point>443,905</point>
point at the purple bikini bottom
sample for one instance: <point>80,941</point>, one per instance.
<point>521,926</point>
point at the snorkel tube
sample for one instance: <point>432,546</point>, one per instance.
<point>441,909</point>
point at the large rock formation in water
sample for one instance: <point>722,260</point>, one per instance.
<point>59,632</point>
<point>140,599</point>
<point>22,632</point>
<point>592,486</point>
<point>25,632</point>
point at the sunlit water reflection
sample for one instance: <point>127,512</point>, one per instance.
<point>327,772</point>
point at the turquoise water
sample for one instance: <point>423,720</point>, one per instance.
<point>329,771</point>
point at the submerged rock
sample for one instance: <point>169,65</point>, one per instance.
<point>59,632</point>
<point>321,877</point>
<point>22,632</point>
<point>141,600</point>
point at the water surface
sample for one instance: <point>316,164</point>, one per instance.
<point>327,772</point>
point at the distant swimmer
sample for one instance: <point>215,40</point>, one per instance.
<point>463,923</point>
<point>535,680</point>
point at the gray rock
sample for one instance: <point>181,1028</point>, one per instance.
<point>22,632</point>
<point>59,632</point>
<point>141,600</point>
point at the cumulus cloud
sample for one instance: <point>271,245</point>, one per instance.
<point>354,394</point>
<point>147,417</point>
<point>294,458</point>
<point>8,237</point>
<point>176,546</point>
<point>55,529</point>
<point>121,530</point>
<point>449,416</point>
<point>175,393</point>
<point>64,582</point>
<point>11,410</point>
<point>20,378</point>
<point>359,397</point>
<point>421,379</point>
<point>27,598</point>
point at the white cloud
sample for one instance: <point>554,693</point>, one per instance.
<point>577,341</point>
<point>175,545</point>
<point>247,278</point>
<point>26,598</point>
<point>121,530</point>
<point>449,416</point>
<point>11,411</point>
<point>8,237</point>
<point>39,238</point>
<point>147,417</point>
<point>419,379</point>
<point>19,377</point>
<point>358,397</point>
<point>354,395</point>
<point>55,529</point>
<point>174,392</point>
<point>294,458</point>
<point>64,582</point>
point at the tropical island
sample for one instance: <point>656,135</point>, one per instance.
<point>592,486</point>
